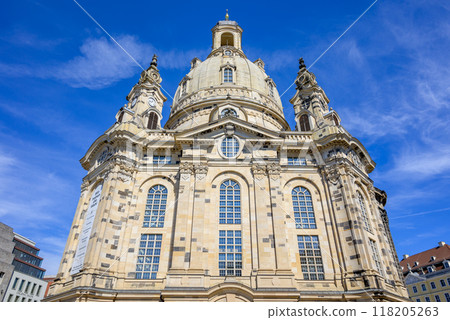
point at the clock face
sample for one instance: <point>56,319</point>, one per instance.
<point>133,103</point>
<point>151,102</point>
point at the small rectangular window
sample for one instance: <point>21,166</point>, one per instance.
<point>10,298</point>
<point>34,287</point>
<point>414,289</point>
<point>433,285</point>
<point>230,253</point>
<point>149,253</point>
<point>442,283</point>
<point>437,298</point>
<point>293,161</point>
<point>27,287</point>
<point>424,288</point>
<point>21,285</point>
<point>447,297</point>
<point>38,290</point>
<point>16,299</point>
<point>418,300</point>
<point>15,283</point>
<point>161,160</point>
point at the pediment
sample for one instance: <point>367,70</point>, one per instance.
<point>223,126</point>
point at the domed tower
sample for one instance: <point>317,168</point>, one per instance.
<point>226,202</point>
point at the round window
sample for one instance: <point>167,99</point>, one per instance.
<point>230,147</point>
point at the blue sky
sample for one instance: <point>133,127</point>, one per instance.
<point>62,80</point>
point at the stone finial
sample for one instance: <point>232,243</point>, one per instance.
<point>227,17</point>
<point>154,61</point>
<point>301,64</point>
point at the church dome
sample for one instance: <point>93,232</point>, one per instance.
<point>227,76</point>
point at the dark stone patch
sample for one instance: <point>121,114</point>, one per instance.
<point>207,200</point>
<point>113,247</point>
<point>182,239</point>
<point>359,241</point>
<point>110,256</point>
<point>194,239</point>
<point>274,205</point>
<point>187,257</point>
<point>266,240</point>
<point>269,214</point>
<point>105,265</point>
<point>103,219</point>
<point>356,256</point>
<point>116,227</point>
<point>178,248</point>
<point>116,237</point>
<point>106,240</point>
<point>130,249</point>
<point>213,186</point>
<point>205,250</point>
<point>348,239</point>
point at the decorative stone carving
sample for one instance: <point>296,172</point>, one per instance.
<point>258,171</point>
<point>200,170</point>
<point>274,170</point>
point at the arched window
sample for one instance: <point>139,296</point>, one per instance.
<point>362,207</point>
<point>155,209</point>
<point>336,121</point>
<point>227,39</point>
<point>228,112</point>
<point>304,123</point>
<point>228,75</point>
<point>183,87</point>
<point>152,121</point>
<point>230,147</point>
<point>303,209</point>
<point>230,203</point>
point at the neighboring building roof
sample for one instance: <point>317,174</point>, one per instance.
<point>423,259</point>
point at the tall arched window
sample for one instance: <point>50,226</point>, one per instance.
<point>303,209</point>
<point>362,207</point>
<point>230,203</point>
<point>227,39</point>
<point>155,209</point>
<point>227,75</point>
<point>304,123</point>
<point>152,121</point>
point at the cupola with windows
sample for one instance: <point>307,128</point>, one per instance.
<point>227,75</point>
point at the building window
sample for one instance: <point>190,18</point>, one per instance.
<point>152,121</point>
<point>430,269</point>
<point>148,257</point>
<point>362,207</point>
<point>228,113</point>
<point>161,160</point>
<point>293,161</point>
<point>230,253</point>
<point>433,285</point>
<point>310,257</point>
<point>447,297</point>
<point>230,147</point>
<point>21,285</point>
<point>437,298</point>
<point>271,89</point>
<point>424,288</point>
<point>29,283</point>
<point>38,290</point>
<point>230,203</point>
<point>227,39</point>
<point>303,209</point>
<point>376,259</point>
<point>227,75</point>
<point>16,299</point>
<point>15,283</point>
<point>427,299</point>
<point>34,287</point>
<point>446,264</point>
<point>155,208</point>
<point>442,283</point>
<point>414,289</point>
<point>448,281</point>
<point>304,123</point>
<point>184,87</point>
<point>10,298</point>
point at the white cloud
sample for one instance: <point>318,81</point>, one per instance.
<point>101,63</point>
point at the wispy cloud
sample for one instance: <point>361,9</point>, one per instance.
<point>101,63</point>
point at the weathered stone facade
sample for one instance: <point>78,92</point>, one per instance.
<point>228,99</point>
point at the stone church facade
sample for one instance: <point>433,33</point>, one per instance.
<point>226,202</point>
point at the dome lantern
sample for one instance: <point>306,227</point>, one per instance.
<point>227,33</point>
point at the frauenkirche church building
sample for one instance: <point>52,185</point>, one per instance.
<point>226,202</point>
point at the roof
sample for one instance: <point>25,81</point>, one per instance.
<point>424,258</point>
